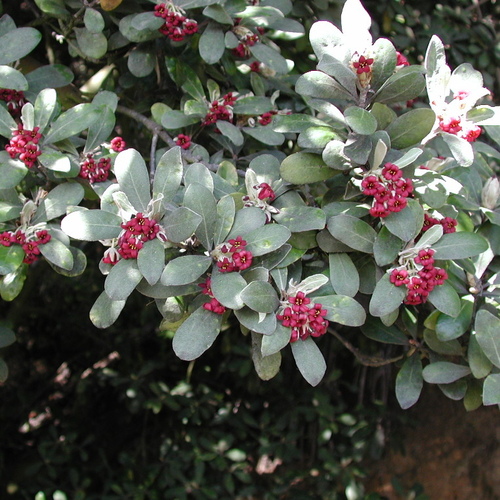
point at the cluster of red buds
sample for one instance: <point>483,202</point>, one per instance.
<point>29,243</point>
<point>454,120</point>
<point>213,305</point>
<point>232,256</point>
<point>449,224</point>
<point>137,230</point>
<point>183,140</point>
<point>460,127</point>
<point>95,171</point>
<point>390,190</point>
<point>266,118</point>
<point>304,318</point>
<point>118,144</point>
<point>221,109</point>
<point>242,49</point>
<point>176,26</point>
<point>24,145</point>
<point>15,100</point>
<point>419,275</point>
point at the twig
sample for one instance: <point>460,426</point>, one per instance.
<point>160,132</point>
<point>365,359</point>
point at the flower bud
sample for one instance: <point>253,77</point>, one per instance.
<point>490,193</point>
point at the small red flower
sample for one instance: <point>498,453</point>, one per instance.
<point>363,65</point>
<point>118,144</point>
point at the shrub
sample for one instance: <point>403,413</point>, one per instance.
<point>355,199</point>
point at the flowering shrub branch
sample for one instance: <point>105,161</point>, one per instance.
<point>359,197</point>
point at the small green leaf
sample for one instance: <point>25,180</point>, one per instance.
<point>402,86</point>
<point>353,232</point>
<point>13,171</point>
<point>227,288</point>
<point>309,360</point>
<point>7,123</point>
<point>254,321</point>
<point>10,258</point>
<point>479,363</point>
<point>491,390</point>
<point>305,168</point>
<point>11,78</point>
<point>122,279</point>
<point>386,297</point>
<point>301,218</point>
<point>196,334</point>
<point>448,348</point>
<point>487,327</point>
<point>57,253</point>
<point>211,44</point>
<point>343,309</point>
<point>181,224</point>
<point>270,57</point>
<point>133,177</point>
<point>459,245</point>
<point>410,128</point>
<point>91,225</point>
<point>174,119</point>
<point>72,122</point>
<point>449,328</point>
<point>273,343</point>
<point>18,43</point>
<point>361,121</point>
<point>376,330</point>
<point>260,296</point>
<point>168,175</point>
<point>185,269</point>
<point>94,45</point>
<point>265,366</point>
<point>151,260</point>
<point>407,223</point>
<point>444,372</point>
<point>142,60</point>
<point>445,299</point>
<point>266,239</point>
<point>344,276</point>
<point>7,336</point>
<point>58,200</point>
<point>320,85</point>
<point>246,220</point>
<point>105,311</point>
<point>386,247</point>
<point>200,200</point>
<point>409,382</point>
<point>226,211</point>
<point>49,76</point>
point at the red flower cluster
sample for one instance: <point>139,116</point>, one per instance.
<point>401,60</point>
<point>449,224</point>
<point>242,51</point>
<point>233,256</point>
<point>462,128</point>
<point>389,190</point>
<point>24,145</point>
<point>363,65</point>
<point>176,25</point>
<point>221,109</point>
<point>214,305</point>
<point>184,141</point>
<point>15,100</point>
<point>305,319</point>
<point>29,244</point>
<point>266,192</point>
<point>419,276</point>
<point>118,144</point>
<point>95,171</point>
<point>137,230</point>
<point>267,118</point>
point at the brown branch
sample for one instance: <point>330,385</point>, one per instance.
<point>365,359</point>
<point>160,132</point>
